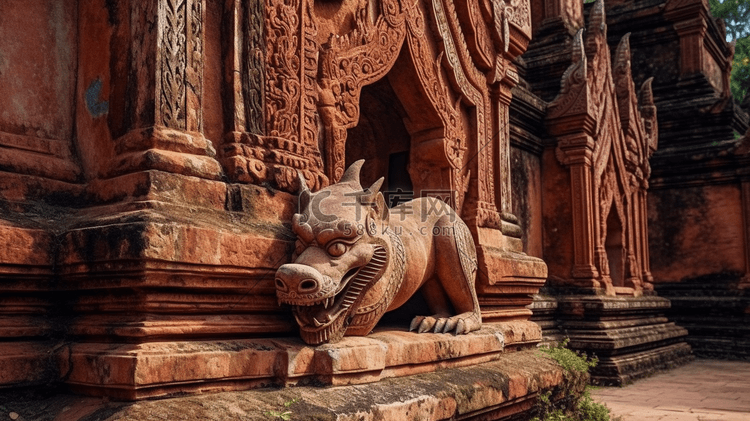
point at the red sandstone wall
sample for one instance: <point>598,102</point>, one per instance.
<point>527,198</point>
<point>693,231</point>
<point>37,65</point>
<point>37,82</point>
<point>558,217</point>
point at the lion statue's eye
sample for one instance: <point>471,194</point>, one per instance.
<point>337,249</point>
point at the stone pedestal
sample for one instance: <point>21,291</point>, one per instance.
<point>162,368</point>
<point>545,314</point>
<point>630,336</point>
<point>716,314</point>
<point>504,389</point>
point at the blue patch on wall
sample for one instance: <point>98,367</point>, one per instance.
<point>96,108</point>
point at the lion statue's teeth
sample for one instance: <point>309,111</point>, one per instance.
<point>351,264</point>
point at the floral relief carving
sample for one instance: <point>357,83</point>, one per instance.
<point>194,67</point>
<point>349,62</point>
<point>254,75</point>
<point>174,63</point>
<point>283,87</point>
<point>180,80</point>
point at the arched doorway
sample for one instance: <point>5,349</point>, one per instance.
<point>383,141</point>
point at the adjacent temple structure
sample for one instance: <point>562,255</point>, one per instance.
<point>160,159</point>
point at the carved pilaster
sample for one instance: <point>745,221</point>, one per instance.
<point>473,85</point>
<point>690,23</point>
<point>244,66</point>
<point>502,96</point>
<point>163,119</point>
<point>272,112</point>
<point>575,151</point>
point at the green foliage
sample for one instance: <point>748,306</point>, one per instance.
<point>740,79</point>
<point>736,15</point>
<point>576,404</point>
<point>568,359</point>
<point>284,415</point>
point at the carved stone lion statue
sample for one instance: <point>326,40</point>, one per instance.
<point>356,259</point>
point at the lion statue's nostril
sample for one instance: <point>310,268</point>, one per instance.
<point>308,285</point>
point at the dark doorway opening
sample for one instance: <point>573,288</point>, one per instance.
<point>614,247</point>
<point>382,140</point>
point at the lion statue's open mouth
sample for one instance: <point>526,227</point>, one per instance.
<point>326,319</point>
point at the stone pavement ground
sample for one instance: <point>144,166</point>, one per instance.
<point>703,390</point>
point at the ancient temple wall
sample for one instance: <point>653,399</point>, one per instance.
<point>38,48</point>
<point>38,55</point>
<point>170,134</point>
<point>558,229</point>
<point>698,235</point>
<point>527,198</point>
<point>526,132</point>
<point>695,231</point>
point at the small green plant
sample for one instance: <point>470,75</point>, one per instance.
<point>285,415</point>
<point>576,403</point>
<point>571,362</point>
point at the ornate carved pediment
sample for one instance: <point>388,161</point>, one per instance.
<point>574,96</point>
<point>346,64</point>
<point>456,57</point>
<point>606,138</point>
<point>638,120</point>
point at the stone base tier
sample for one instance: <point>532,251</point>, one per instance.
<point>544,310</point>
<point>716,313</point>
<point>503,389</point>
<point>135,371</point>
<point>630,336</point>
<point>617,370</point>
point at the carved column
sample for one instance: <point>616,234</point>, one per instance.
<point>577,151</point>
<point>161,120</point>
<point>690,19</point>
<point>502,96</point>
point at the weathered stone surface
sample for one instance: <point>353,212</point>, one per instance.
<point>39,57</point>
<point>499,390</point>
<point>714,310</point>
<point>698,203</point>
<point>170,367</point>
<point>629,335</point>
